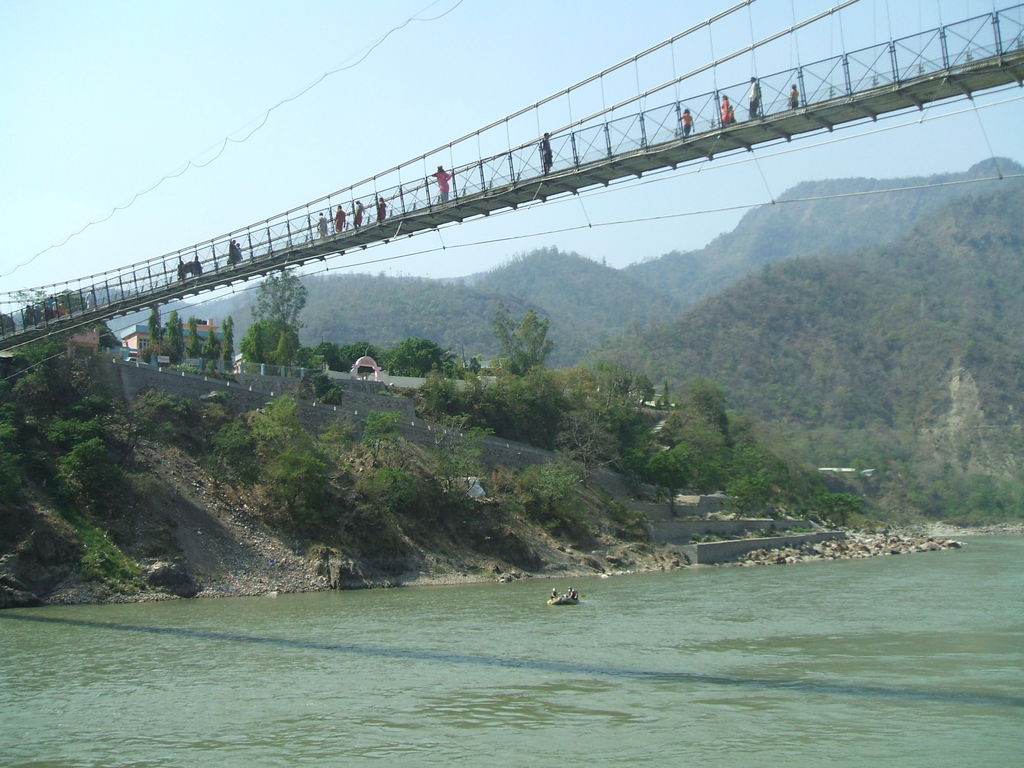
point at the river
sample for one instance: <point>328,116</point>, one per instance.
<point>912,660</point>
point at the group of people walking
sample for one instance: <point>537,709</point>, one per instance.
<point>444,178</point>
<point>358,215</point>
<point>727,112</point>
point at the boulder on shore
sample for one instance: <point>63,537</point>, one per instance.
<point>172,578</point>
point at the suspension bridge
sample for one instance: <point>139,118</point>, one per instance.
<point>486,171</point>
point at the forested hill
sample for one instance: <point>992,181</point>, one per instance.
<point>908,349</point>
<point>815,218</point>
<point>587,303</point>
<point>386,310</point>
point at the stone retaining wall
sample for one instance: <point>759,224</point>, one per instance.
<point>130,378</point>
<point>729,551</point>
<point>251,392</point>
<point>680,531</point>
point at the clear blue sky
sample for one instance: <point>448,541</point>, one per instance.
<point>102,99</point>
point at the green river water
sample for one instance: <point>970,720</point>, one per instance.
<point>914,660</point>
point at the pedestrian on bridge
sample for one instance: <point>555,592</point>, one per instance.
<point>382,210</point>
<point>357,214</point>
<point>754,97</point>
<point>234,253</point>
<point>727,112</point>
<point>545,153</point>
<point>794,97</point>
<point>442,177</point>
<point>321,226</point>
<point>339,221</point>
<point>687,122</point>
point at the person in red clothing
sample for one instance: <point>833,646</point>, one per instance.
<point>357,214</point>
<point>339,221</point>
<point>442,177</point>
<point>728,114</point>
<point>382,210</point>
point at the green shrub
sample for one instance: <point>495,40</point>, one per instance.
<point>102,562</point>
<point>161,416</point>
<point>86,469</point>
<point>296,479</point>
<point>392,490</point>
<point>233,453</point>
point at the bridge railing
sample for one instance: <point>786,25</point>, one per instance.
<point>487,160</point>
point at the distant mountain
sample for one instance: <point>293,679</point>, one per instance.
<point>910,350</point>
<point>815,218</point>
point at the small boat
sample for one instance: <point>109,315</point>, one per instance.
<point>563,600</point>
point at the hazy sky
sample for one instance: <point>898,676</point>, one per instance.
<point>102,99</point>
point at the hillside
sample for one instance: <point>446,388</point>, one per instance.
<point>103,498</point>
<point>588,303</point>
<point>386,310</point>
<point>906,354</point>
<point>825,218</point>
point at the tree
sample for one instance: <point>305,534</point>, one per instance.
<point>583,439</point>
<point>704,402</point>
<point>437,397</point>
<point>294,471</point>
<point>259,342</point>
<point>706,454</point>
<point>749,493</point>
<point>417,357</point>
<point>193,349</point>
<point>175,338</point>
<point>227,346</point>
<point>211,349</point>
<point>280,300</point>
<point>155,331</point>
<point>457,453</point>
<point>668,470</point>
<point>525,345</point>
<point>837,507</point>
<point>287,347</point>
<point>267,341</point>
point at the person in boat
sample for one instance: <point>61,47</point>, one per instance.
<point>554,593</point>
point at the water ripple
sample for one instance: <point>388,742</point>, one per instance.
<point>560,667</point>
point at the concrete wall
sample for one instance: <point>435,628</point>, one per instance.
<point>728,551</point>
<point>680,531</point>
<point>130,378</point>
<point>252,392</point>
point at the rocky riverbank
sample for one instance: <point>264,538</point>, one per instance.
<point>856,545</point>
<point>248,561</point>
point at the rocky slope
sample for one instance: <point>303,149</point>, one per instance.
<point>195,537</point>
